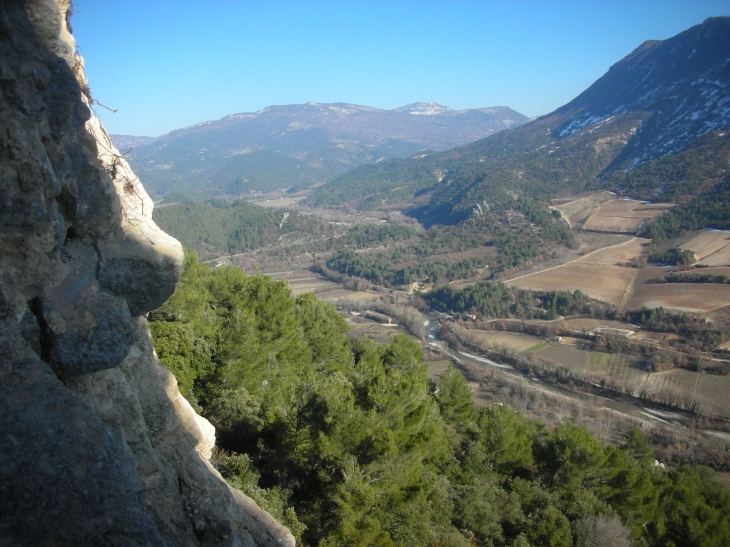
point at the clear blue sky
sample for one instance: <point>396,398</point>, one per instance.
<point>169,64</point>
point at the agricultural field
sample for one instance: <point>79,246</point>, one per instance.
<point>622,372</point>
<point>623,215</point>
<point>680,297</point>
<point>617,254</point>
<point>518,342</point>
<point>602,282</point>
<point>596,274</point>
<point>712,395</point>
<point>576,210</point>
<point>301,280</point>
<point>711,248</point>
<point>281,203</point>
<point>570,358</point>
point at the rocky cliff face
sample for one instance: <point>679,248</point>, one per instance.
<point>99,448</point>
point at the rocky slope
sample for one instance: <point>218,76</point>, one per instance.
<point>682,84</point>
<point>297,145</point>
<point>99,446</point>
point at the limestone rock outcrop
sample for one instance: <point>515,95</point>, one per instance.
<point>98,445</point>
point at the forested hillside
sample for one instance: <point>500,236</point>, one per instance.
<point>296,145</point>
<point>349,443</point>
<point>663,107</point>
<point>220,226</point>
<point>511,234</point>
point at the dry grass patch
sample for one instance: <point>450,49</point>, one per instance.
<point>623,215</point>
<point>682,297</point>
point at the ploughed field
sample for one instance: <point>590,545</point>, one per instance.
<point>597,274</point>
<point>579,210</point>
<point>681,297</point>
<point>604,275</point>
<point>623,215</point>
<point>711,248</point>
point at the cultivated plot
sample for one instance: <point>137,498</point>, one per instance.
<point>596,274</point>
<point>711,248</point>
<point>578,209</point>
<point>712,395</point>
<point>681,297</point>
<point>518,342</point>
<point>568,357</point>
<point>623,372</point>
<point>379,332</point>
<point>302,281</point>
<point>623,215</point>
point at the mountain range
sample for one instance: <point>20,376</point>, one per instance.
<point>663,98</point>
<point>298,145</point>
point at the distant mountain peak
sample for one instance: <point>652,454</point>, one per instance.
<point>299,144</point>
<point>424,109</point>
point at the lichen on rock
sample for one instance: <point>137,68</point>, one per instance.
<point>99,447</point>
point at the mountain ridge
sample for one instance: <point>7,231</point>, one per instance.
<point>654,102</point>
<point>327,139</point>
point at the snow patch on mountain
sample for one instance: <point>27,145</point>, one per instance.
<point>425,109</point>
